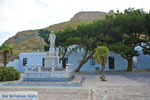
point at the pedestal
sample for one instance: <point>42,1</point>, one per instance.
<point>51,60</point>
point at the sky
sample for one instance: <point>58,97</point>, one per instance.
<point>19,15</point>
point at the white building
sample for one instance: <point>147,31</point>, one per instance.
<point>36,58</point>
<point>29,58</point>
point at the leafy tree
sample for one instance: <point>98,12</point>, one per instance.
<point>131,26</point>
<point>5,50</point>
<point>45,34</point>
<point>87,40</point>
<point>146,48</point>
<point>96,34</point>
<point>101,55</point>
<point>64,39</point>
<point>146,36</point>
<point>107,30</point>
<point>121,33</point>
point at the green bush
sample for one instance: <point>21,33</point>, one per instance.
<point>10,74</point>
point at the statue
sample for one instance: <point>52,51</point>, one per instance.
<point>51,39</point>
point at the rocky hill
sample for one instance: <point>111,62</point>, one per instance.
<point>30,41</point>
<point>93,15</point>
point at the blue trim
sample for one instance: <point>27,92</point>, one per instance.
<point>48,79</point>
<point>57,85</point>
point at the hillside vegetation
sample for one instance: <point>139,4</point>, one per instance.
<point>27,41</point>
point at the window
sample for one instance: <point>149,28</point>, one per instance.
<point>43,62</point>
<point>111,62</point>
<point>24,61</point>
<point>92,61</point>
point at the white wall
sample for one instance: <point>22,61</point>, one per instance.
<point>14,64</point>
<point>75,58</point>
<point>34,58</point>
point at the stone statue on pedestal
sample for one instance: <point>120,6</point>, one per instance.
<point>52,58</point>
<point>51,39</point>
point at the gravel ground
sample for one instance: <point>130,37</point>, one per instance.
<point>119,86</point>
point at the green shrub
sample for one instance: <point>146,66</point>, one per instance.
<point>102,78</point>
<point>10,74</point>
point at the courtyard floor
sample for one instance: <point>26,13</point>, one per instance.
<point>119,86</point>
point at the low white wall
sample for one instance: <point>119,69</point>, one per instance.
<point>14,64</point>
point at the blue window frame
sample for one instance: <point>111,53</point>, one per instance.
<point>92,61</point>
<point>24,61</point>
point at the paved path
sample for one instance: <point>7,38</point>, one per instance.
<point>119,86</point>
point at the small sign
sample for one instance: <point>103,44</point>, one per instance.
<point>18,95</point>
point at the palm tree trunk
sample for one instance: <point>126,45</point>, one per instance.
<point>5,61</point>
<point>103,67</point>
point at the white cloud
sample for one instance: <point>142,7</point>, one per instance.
<point>18,15</point>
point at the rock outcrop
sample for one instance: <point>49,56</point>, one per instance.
<point>90,15</point>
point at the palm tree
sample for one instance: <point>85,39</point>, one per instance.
<point>5,50</point>
<point>101,55</point>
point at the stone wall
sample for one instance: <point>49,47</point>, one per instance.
<point>93,15</point>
